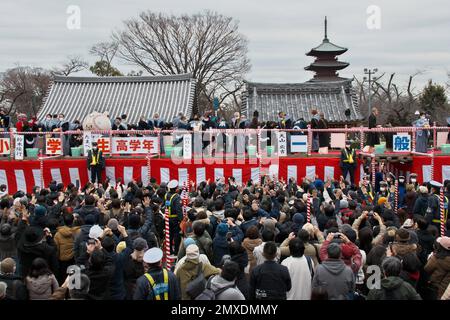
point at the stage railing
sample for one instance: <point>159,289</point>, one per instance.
<point>256,138</point>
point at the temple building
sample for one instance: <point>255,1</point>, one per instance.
<point>325,92</point>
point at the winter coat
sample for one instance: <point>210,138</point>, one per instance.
<point>270,281</point>
<point>337,278</point>
<point>242,282</point>
<point>81,238</point>
<point>89,209</point>
<point>354,262</point>
<point>8,248</point>
<point>393,288</point>
<point>64,240</point>
<point>439,270</point>
<point>249,245</point>
<point>258,254</point>
<point>100,280</point>
<point>421,205</point>
<point>232,293</point>
<point>300,276</point>
<point>220,248</point>
<point>16,289</point>
<point>410,200</point>
<point>143,291</point>
<point>189,271</point>
<point>42,287</point>
<point>27,252</point>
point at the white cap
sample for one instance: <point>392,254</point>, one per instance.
<point>417,112</point>
<point>172,184</point>
<point>95,232</point>
<point>153,255</point>
<point>436,184</point>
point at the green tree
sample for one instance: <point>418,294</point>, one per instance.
<point>433,100</point>
<point>105,69</point>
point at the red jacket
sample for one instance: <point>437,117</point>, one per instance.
<point>350,254</point>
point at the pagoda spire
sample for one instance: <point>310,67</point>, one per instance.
<point>326,28</point>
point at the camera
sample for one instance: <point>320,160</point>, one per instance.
<point>337,236</point>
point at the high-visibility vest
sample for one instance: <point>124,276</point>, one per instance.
<point>159,288</point>
<point>349,156</point>
<point>95,159</point>
<point>445,209</point>
<point>169,205</point>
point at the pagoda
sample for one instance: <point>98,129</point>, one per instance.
<point>326,64</point>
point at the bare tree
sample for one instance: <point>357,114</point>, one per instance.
<point>73,64</point>
<point>105,51</point>
<point>23,89</point>
<point>396,103</point>
<point>207,45</point>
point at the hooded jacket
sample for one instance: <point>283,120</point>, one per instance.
<point>189,271</point>
<point>64,240</point>
<point>42,287</point>
<point>231,293</point>
<point>16,289</point>
<point>80,240</point>
<point>393,288</point>
<point>439,270</point>
<point>337,278</point>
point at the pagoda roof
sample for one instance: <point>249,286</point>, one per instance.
<point>326,47</point>
<point>336,65</point>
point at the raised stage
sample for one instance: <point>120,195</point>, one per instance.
<point>23,175</point>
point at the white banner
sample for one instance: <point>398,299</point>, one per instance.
<point>292,172</point>
<point>5,146</point>
<point>87,141</point>
<point>282,144</point>
<point>134,145</point>
<point>237,174</point>
<point>18,147</point>
<point>311,172</point>
<point>53,146</point>
<point>201,175</point>
<point>329,173</point>
<point>187,146</point>
<point>299,143</point>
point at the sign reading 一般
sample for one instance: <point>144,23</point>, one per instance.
<point>401,143</point>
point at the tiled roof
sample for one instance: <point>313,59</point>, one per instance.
<point>77,97</point>
<point>332,98</point>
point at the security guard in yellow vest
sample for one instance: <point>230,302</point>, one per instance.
<point>95,163</point>
<point>433,214</point>
<point>348,161</point>
<point>157,283</point>
<point>172,201</point>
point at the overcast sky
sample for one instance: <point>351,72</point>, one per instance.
<point>414,34</point>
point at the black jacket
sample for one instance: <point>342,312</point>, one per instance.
<point>28,251</point>
<point>89,209</point>
<point>269,281</point>
<point>16,289</point>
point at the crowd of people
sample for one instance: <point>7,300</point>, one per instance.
<point>257,241</point>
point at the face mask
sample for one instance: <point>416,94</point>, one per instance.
<point>382,189</point>
<point>422,117</point>
<point>94,148</point>
<point>413,180</point>
<point>401,181</point>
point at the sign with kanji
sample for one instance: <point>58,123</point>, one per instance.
<point>53,146</point>
<point>187,146</point>
<point>18,147</point>
<point>282,144</point>
<point>104,145</point>
<point>299,143</point>
<point>88,138</point>
<point>134,145</point>
<point>401,143</point>
<point>5,146</point>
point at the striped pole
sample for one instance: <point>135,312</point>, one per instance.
<point>309,139</point>
<point>259,157</point>
<point>373,172</point>
<point>396,197</point>
<point>413,147</point>
<point>41,169</point>
<point>167,240</point>
<point>434,136</point>
<point>361,138</point>
<point>308,208</point>
<point>432,166</point>
<point>149,170</point>
<point>441,200</point>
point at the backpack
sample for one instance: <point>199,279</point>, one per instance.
<point>209,294</point>
<point>197,286</point>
